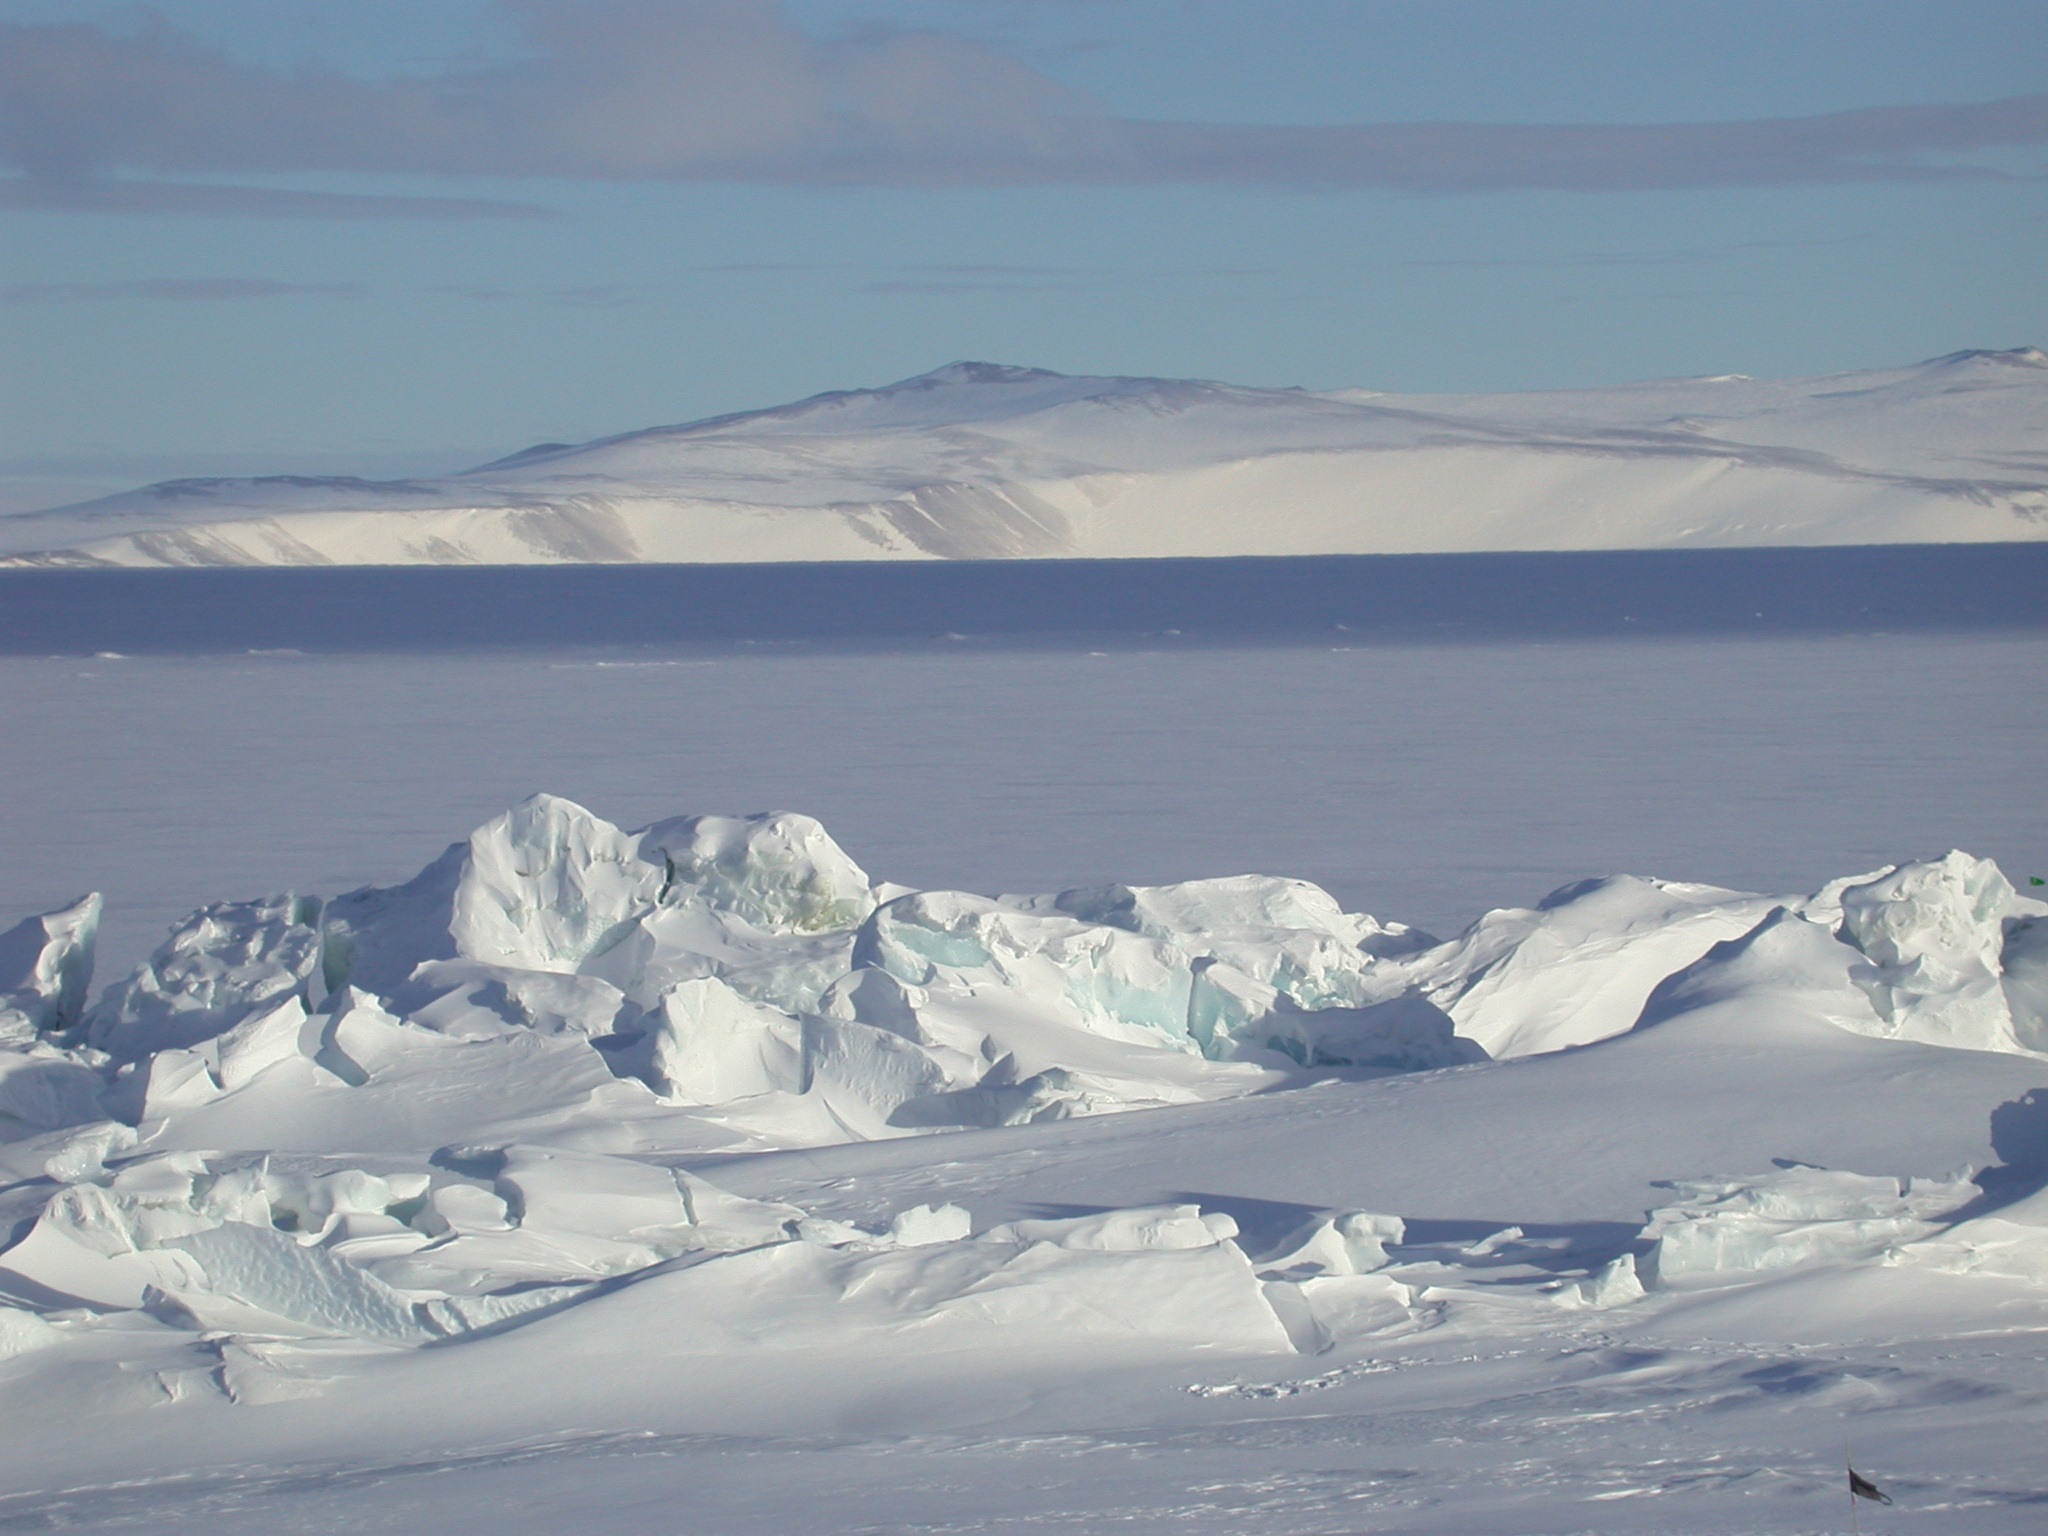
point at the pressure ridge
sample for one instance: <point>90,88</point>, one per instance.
<point>432,1112</point>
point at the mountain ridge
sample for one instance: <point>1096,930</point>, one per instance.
<point>979,460</point>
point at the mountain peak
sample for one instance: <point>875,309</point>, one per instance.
<point>2015,357</point>
<point>975,373</point>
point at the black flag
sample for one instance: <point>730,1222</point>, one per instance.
<point>1863,1488</point>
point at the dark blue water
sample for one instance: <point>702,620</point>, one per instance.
<point>1949,587</point>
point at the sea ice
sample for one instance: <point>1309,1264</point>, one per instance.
<point>45,968</point>
<point>1354,1243</point>
<point>471,999</point>
<point>922,1225</point>
<point>1288,934</point>
<point>223,964</point>
<point>1406,1033</point>
<point>1785,967</point>
<point>1127,1231</point>
<point>1107,980</point>
<point>22,1331</point>
<point>2024,963</point>
<point>1577,967</point>
<point>360,1254</point>
<point>747,966</point>
<point>2010,1242</point>
<point>47,1087</point>
<point>780,872</point>
<point>422,1113</point>
<point>248,1244</point>
<point>1935,935</point>
<point>1614,1284</point>
<point>1795,1216</point>
<point>710,1045</point>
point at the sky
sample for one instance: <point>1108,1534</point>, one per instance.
<point>390,237</point>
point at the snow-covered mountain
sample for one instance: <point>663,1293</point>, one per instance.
<point>982,461</point>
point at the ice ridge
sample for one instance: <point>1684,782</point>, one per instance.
<point>531,1029</point>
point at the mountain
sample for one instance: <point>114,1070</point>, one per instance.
<point>985,461</point>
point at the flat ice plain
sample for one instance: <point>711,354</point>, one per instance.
<point>1423,1321</point>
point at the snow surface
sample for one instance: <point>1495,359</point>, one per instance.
<point>1426,782</point>
<point>985,461</point>
<point>695,1129</point>
<point>699,1177</point>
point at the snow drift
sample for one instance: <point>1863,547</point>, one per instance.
<point>982,461</point>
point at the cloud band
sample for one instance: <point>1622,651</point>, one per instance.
<point>730,90</point>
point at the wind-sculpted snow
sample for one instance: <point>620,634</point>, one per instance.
<point>220,966</point>
<point>981,461</point>
<point>1935,941</point>
<point>707,1092</point>
<point>1578,967</point>
<point>1797,1216</point>
<point>46,966</point>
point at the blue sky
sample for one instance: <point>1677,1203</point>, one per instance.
<point>392,236</point>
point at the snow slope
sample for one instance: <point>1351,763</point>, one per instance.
<point>589,1166</point>
<point>982,461</point>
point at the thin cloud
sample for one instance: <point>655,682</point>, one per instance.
<point>181,290</point>
<point>599,295</point>
<point>1004,279</point>
<point>732,90</point>
<point>1870,144</point>
<point>105,194</point>
<point>591,296</point>
<point>951,269</point>
<point>922,286</point>
<point>932,278</point>
<point>781,266</point>
<point>1004,269</point>
<point>1687,256</point>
